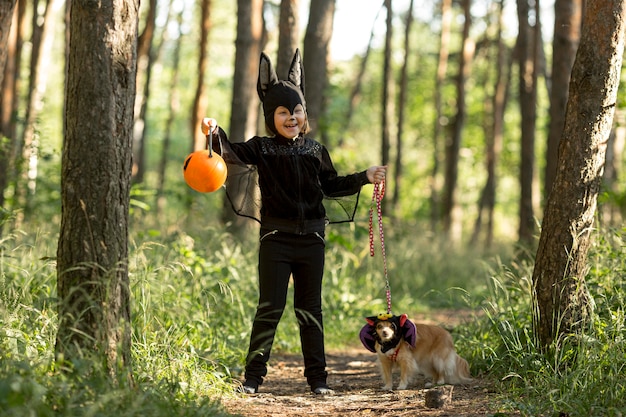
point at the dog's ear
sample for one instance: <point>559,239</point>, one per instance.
<point>267,76</point>
<point>403,318</point>
<point>296,71</point>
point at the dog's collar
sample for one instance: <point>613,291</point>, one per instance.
<point>394,357</point>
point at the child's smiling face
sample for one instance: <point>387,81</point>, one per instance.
<point>287,124</point>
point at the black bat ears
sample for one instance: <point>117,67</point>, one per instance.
<point>268,78</point>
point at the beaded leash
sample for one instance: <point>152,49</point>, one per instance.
<point>377,198</point>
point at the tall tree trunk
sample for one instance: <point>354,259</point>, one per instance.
<point>316,59</point>
<point>288,36</point>
<point>6,18</point>
<point>451,210</point>
<point>567,20</point>
<point>174,106</point>
<point>611,210</point>
<point>401,106</point>
<point>8,65</point>
<point>201,97</point>
<point>561,264</point>
<point>355,93</point>
<point>144,71</point>
<point>527,54</point>
<point>495,133</point>
<point>245,103</point>
<point>92,254</point>
<point>386,106</point>
<point>40,61</point>
<point>442,67</point>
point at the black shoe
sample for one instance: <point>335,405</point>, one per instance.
<point>320,388</point>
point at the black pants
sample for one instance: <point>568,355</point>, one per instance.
<point>282,255</point>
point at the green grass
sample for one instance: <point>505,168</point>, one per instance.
<point>194,296</point>
<point>583,375</point>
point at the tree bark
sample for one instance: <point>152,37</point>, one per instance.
<point>144,71</point>
<point>442,67</point>
<point>201,97</point>
<point>494,133</point>
<point>611,211</point>
<point>288,36</point>
<point>561,264</point>
<point>451,210</point>
<point>174,107</point>
<point>387,84</point>
<point>355,93</point>
<point>567,20</point>
<point>316,58</point>
<point>245,103</point>
<point>92,254</point>
<point>527,58</point>
<point>6,18</point>
<point>8,65</point>
<point>27,167</point>
<point>401,106</point>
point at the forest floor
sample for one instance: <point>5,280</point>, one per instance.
<point>353,375</point>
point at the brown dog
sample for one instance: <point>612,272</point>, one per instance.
<point>414,348</point>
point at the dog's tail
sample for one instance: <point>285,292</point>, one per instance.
<point>462,374</point>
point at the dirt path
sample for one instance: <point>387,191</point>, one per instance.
<point>353,374</point>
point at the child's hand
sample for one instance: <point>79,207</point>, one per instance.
<point>207,123</point>
<point>376,174</point>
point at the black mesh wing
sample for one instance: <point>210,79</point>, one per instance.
<point>244,195</point>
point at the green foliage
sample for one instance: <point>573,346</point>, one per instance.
<point>193,286</point>
<point>179,361</point>
<point>583,373</point>
<point>194,296</point>
<point>26,390</point>
<point>193,299</point>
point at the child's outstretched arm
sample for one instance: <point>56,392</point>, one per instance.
<point>376,174</point>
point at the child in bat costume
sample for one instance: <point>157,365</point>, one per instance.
<point>295,176</point>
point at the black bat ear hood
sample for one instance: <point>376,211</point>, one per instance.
<point>274,92</point>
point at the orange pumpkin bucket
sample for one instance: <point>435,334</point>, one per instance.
<point>204,170</point>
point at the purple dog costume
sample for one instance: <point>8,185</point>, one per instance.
<point>405,329</point>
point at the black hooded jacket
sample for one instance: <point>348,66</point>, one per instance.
<point>294,176</point>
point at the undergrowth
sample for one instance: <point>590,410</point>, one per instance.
<point>193,297</point>
<point>583,374</point>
